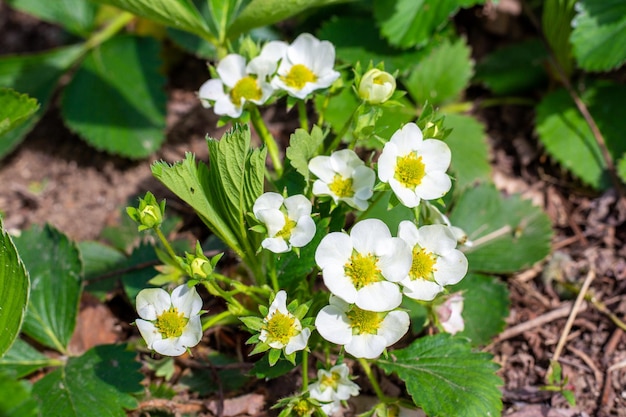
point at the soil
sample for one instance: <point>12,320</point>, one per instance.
<point>55,177</point>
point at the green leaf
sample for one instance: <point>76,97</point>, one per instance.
<point>14,288</point>
<point>409,23</point>
<point>180,14</point>
<point>392,217</point>
<point>22,359</point>
<point>193,44</point>
<point>568,138</point>
<point>221,14</point>
<point>442,75</point>
<point>96,384</point>
<point>15,108</point>
<point>122,77</point>
<point>509,234</point>
<point>98,261</point>
<point>15,398</point>
<point>77,16</point>
<point>54,265</point>
<point>445,378</point>
<point>136,279</point>
<point>556,23</point>
<point>36,75</point>
<point>470,152</point>
<point>302,147</point>
<point>204,379</point>
<point>485,307</point>
<point>621,168</point>
<point>599,35</point>
<point>515,68</point>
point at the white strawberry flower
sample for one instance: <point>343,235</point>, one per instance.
<point>332,387</point>
<point>288,221</point>
<point>436,261</point>
<point>415,168</point>
<point>169,323</point>
<point>450,314</point>
<point>283,330</point>
<point>363,267</point>
<point>376,86</point>
<point>364,334</point>
<point>344,177</point>
<point>307,66</point>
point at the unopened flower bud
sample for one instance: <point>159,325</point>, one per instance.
<point>149,214</point>
<point>376,86</point>
<point>200,266</point>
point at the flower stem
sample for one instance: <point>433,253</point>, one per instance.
<point>370,375</point>
<point>167,245</point>
<point>267,138</point>
<point>216,318</point>
<point>302,115</point>
<point>305,370</point>
<point>109,31</point>
<point>337,140</point>
<point>272,272</point>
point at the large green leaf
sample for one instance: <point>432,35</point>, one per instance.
<point>96,384</point>
<point>36,75</point>
<point>54,266</point>
<point>14,287</point>
<point>22,359</point>
<point>16,399</point>
<point>442,74</point>
<point>485,307</point>
<point>599,35</point>
<point>568,138</point>
<point>470,152</point>
<point>77,16</point>
<point>181,14</point>
<point>509,233</point>
<point>15,108</point>
<point>445,378</point>
<point>122,82</point>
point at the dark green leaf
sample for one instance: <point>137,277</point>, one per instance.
<point>390,216</point>
<point>445,378</point>
<point>54,265</point>
<point>15,108</point>
<point>96,384</point>
<point>98,261</point>
<point>122,79</point>
<point>77,16</point>
<point>15,398</point>
<point>193,44</point>
<point>204,380</point>
<point>22,359</point>
<point>140,269</point>
<point>302,147</point>
<point>470,152</point>
<point>556,23</point>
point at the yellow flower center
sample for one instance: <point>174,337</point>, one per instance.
<point>285,232</point>
<point>171,323</point>
<point>281,328</point>
<point>410,170</point>
<point>330,381</point>
<point>247,88</point>
<point>363,321</point>
<point>362,270</point>
<point>423,264</point>
<point>341,187</point>
<point>298,76</point>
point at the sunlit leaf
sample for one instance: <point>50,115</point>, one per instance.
<point>16,399</point>
<point>15,108</point>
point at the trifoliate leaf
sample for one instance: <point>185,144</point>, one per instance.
<point>77,17</point>
<point>96,384</point>
<point>54,265</point>
<point>22,359</point>
<point>445,378</point>
<point>15,108</point>
<point>599,35</point>
<point>470,152</point>
<point>121,79</point>
<point>509,234</point>
<point>302,147</point>
<point>16,399</point>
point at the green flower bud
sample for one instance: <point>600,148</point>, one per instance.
<point>149,214</point>
<point>376,86</point>
<point>200,266</point>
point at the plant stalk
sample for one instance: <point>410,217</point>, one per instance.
<point>267,138</point>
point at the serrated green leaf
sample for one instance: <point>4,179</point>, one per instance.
<point>96,384</point>
<point>485,307</point>
<point>14,290</point>
<point>122,77</point>
<point>22,359</point>
<point>77,16</point>
<point>445,378</point>
<point>509,233</point>
<point>568,138</point>
<point>36,75</point>
<point>556,23</point>
<point>16,399</point>
<point>181,14</point>
<point>54,265</point>
<point>470,152</point>
<point>442,74</point>
<point>599,35</point>
<point>15,108</point>
<point>514,68</point>
<point>302,147</point>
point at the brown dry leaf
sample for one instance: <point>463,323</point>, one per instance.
<point>543,411</point>
<point>96,325</point>
<point>245,405</point>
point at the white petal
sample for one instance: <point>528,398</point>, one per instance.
<point>363,179</point>
<point>406,196</point>
<point>225,107</point>
<point>275,244</point>
<point>367,234</point>
<point>437,238</point>
<point>169,347</point>
<point>267,201</point>
<point>387,162</point>
<point>324,59</point>
<point>407,139</point>
<point>434,185</point>
<point>436,155</point>
<point>368,346</point>
<point>303,233</point>
<point>334,249</point>
<point>321,188</point>
<point>420,289</point>
<point>211,90</point>
<point>186,300</point>
<point>322,167</point>
<point>394,326</point>
<point>345,161</point>
<point>379,296</point>
<point>297,206</point>
<point>451,267</point>
<point>273,219</point>
<point>298,342</point>
<point>151,302</point>
<point>395,258</point>
<point>407,231</point>
<point>303,49</point>
<point>231,69</point>
<point>339,284</point>
<point>333,325</point>
<point>148,331</point>
<point>279,304</point>
<point>274,50</point>
<point>192,334</point>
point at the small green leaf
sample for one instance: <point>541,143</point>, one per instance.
<point>15,108</point>
<point>445,378</point>
<point>122,77</point>
<point>442,74</point>
<point>16,399</point>
<point>302,147</point>
<point>599,35</point>
<point>470,152</point>
<point>54,265</point>
<point>485,307</point>
<point>509,234</point>
<point>22,359</point>
<point>77,16</point>
<point>96,384</point>
<point>14,289</point>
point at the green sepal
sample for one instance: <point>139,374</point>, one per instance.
<point>253,323</point>
<point>260,348</point>
<point>274,356</point>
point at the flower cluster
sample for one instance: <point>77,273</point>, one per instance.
<point>332,387</point>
